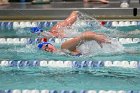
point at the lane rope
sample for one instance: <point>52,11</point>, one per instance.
<point>57,40</point>
<point>22,24</point>
<point>66,91</point>
<point>70,64</point>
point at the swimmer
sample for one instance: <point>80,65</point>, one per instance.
<point>55,30</point>
<point>72,44</point>
<point>59,30</point>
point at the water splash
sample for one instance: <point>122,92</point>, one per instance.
<point>84,23</point>
<point>92,48</point>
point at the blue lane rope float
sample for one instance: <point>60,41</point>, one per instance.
<point>57,40</point>
<point>66,91</point>
<point>70,64</point>
<point>23,63</point>
<point>36,30</point>
<point>15,24</point>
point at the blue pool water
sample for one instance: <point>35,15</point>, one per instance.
<point>112,78</point>
<point>70,79</point>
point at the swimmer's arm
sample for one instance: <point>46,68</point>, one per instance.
<point>67,22</point>
<point>98,37</point>
<point>74,52</point>
<point>56,29</point>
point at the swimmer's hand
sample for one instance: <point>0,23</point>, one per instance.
<point>75,12</point>
<point>100,38</point>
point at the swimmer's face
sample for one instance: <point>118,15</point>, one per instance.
<point>48,48</point>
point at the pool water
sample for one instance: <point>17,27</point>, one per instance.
<point>66,78</point>
<point>70,79</point>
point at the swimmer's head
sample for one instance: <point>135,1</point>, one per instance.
<point>36,30</point>
<point>46,46</point>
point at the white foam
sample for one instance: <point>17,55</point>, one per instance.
<point>93,48</point>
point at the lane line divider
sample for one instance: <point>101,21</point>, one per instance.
<point>70,64</point>
<point>66,91</point>
<point>57,40</point>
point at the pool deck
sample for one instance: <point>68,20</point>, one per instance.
<point>60,10</point>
